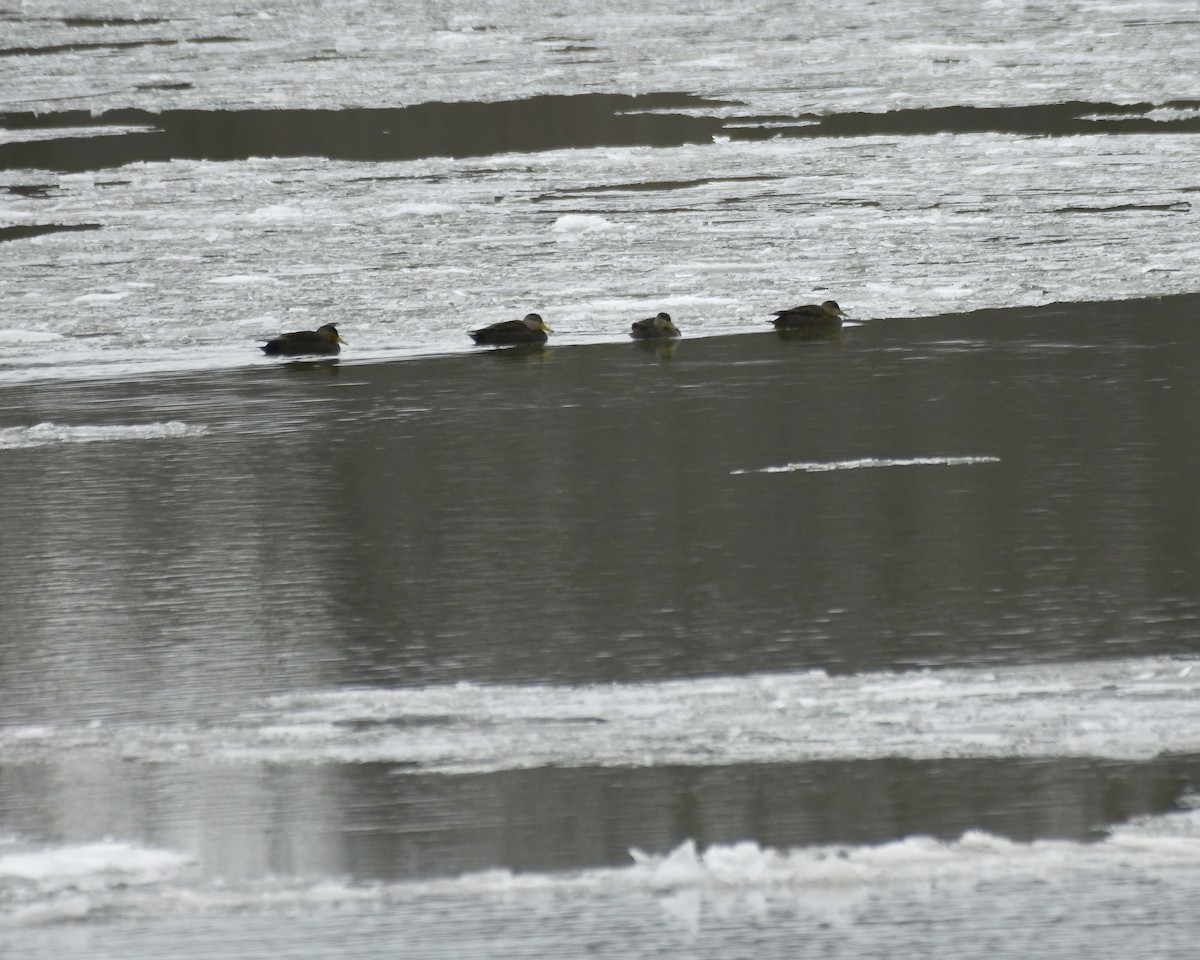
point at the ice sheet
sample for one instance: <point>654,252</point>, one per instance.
<point>405,257</point>
<point>45,434</point>
<point>55,885</point>
<point>197,260</point>
<point>1127,709</point>
<point>853,55</point>
<point>808,466</point>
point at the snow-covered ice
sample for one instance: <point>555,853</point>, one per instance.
<point>406,256</point>
<point>44,434</point>
<point>1122,709</point>
<point>160,266</point>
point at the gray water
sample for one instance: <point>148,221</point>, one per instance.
<point>871,645</point>
<point>971,494</point>
<point>602,514</point>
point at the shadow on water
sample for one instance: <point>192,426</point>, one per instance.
<point>468,129</point>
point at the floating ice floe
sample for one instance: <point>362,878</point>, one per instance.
<point>71,133</point>
<point>44,434</point>
<point>759,225</point>
<point>577,223</point>
<point>68,883</point>
<point>821,466</point>
<point>71,865</point>
<point>102,297</point>
<point>1124,709</point>
<point>248,279</point>
<point>834,881</point>
<point>29,336</point>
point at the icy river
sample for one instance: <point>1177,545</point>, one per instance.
<point>882,644</point>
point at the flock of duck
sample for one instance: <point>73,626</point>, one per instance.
<point>325,341</point>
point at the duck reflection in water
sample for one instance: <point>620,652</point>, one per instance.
<point>328,365</point>
<point>521,352</point>
<point>810,334</point>
<point>663,349</point>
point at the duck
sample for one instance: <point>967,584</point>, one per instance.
<point>324,341</point>
<point>827,315</point>
<point>530,329</point>
<point>654,328</point>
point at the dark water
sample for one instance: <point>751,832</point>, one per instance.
<point>472,129</point>
<point>579,514</point>
<point>594,514</point>
<point>601,514</point>
<point>375,821</point>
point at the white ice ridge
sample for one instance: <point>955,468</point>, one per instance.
<point>71,883</point>
<point>43,434</point>
<point>68,865</point>
<point>1123,709</point>
<point>1150,844</point>
<point>821,466</point>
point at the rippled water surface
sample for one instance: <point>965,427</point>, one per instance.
<point>876,644</point>
<point>458,634</point>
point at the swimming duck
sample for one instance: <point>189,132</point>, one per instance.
<point>323,341</point>
<point>530,329</point>
<point>654,328</point>
<point>827,315</point>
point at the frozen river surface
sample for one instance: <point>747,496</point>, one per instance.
<point>181,180</point>
<point>876,646</point>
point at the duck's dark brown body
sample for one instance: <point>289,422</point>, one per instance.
<point>654,328</point>
<point>323,342</point>
<point>827,315</point>
<point>530,329</point>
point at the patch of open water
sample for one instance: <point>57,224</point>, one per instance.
<point>269,689</point>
